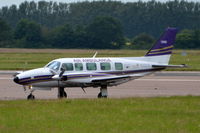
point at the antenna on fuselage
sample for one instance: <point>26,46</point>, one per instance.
<point>25,66</point>
<point>95,54</point>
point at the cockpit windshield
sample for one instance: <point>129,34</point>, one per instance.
<point>55,65</point>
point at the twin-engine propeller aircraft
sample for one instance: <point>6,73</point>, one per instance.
<point>98,72</point>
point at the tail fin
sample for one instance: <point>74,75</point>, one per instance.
<point>165,44</point>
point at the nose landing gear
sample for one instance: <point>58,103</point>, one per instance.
<point>31,97</point>
<point>30,90</point>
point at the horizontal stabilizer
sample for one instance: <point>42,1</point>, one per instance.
<point>171,66</point>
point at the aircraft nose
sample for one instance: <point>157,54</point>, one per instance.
<point>16,80</point>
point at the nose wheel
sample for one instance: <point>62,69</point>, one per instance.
<point>31,97</point>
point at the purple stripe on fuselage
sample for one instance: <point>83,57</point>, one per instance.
<point>74,76</point>
<point>88,75</point>
<point>25,78</point>
<point>42,76</point>
<point>32,80</point>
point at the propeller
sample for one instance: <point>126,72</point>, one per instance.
<point>60,76</point>
<point>62,72</point>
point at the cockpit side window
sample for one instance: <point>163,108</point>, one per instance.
<point>55,65</point>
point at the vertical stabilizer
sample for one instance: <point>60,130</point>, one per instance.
<point>165,43</point>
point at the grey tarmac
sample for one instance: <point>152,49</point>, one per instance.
<point>156,85</point>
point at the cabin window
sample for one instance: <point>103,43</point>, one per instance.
<point>105,66</point>
<point>54,65</point>
<point>91,66</point>
<point>78,66</point>
<point>118,66</point>
<point>68,66</point>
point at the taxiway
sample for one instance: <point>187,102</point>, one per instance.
<point>159,84</point>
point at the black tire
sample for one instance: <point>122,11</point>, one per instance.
<point>104,96</point>
<point>62,94</point>
<point>65,94</point>
<point>30,97</point>
<point>99,95</point>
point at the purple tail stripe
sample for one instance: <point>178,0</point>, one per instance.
<point>165,44</point>
<point>164,50</point>
<point>165,53</point>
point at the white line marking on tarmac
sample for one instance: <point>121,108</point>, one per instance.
<point>1,78</point>
<point>170,80</point>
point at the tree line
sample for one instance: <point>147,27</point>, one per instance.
<point>98,24</point>
<point>101,33</point>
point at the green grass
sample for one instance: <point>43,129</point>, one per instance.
<point>140,115</point>
<point>18,60</point>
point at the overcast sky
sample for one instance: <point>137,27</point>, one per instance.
<point>17,2</point>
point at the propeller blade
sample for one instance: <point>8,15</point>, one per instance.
<point>60,76</point>
<point>56,77</point>
<point>52,72</point>
<point>62,72</point>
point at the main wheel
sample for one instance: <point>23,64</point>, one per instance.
<point>30,97</point>
<point>99,95</point>
<point>65,94</point>
<point>104,96</point>
<point>62,93</point>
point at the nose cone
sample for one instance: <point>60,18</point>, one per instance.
<point>16,80</point>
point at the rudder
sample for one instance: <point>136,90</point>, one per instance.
<point>165,43</point>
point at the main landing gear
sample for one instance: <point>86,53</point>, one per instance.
<point>103,92</point>
<point>61,92</point>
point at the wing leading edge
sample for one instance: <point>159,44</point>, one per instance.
<point>112,80</point>
<point>170,66</point>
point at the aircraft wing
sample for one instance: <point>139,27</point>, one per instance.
<point>112,80</point>
<point>170,66</point>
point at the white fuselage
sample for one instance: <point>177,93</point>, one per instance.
<point>80,72</point>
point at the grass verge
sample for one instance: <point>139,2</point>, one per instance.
<point>21,59</point>
<point>140,115</point>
